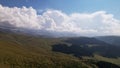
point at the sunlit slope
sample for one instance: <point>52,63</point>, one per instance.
<point>23,51</point>
<point>19,50</point>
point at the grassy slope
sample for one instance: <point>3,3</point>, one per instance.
<point>21,51</point>
<point>111,60</point>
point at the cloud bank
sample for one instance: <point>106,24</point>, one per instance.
<point>57,22</point>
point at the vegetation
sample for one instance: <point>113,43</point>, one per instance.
<point>23,51</point>
<point>111,60</point>
<point>26,51</point>
<point>114,40</point>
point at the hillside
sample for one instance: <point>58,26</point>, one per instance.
<point>84,46</point>
<point>23,51</point>
<point>26,51</point>
<point>114,40</point>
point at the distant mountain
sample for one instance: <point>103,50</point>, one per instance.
<point>114,40</point>
<point>43,33</point>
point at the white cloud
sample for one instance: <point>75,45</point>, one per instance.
<point>19,17</point>
<point>87,24</point>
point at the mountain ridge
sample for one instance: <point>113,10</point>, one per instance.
<point>25,51</point>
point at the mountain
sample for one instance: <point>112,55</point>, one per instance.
<point>21,50</point>
<point>26,51</point>
<point>87,46</point>
<point>84,46</point>
<point>114,40</point>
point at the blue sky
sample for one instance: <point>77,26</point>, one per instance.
<point>69,6</point>
<point>79,17</point>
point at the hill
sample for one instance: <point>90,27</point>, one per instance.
<point>114,40</point>
<point>84,46</point>
<point>19,50</point>
<point>24,51</point>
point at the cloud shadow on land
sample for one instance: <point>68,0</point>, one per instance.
<point>87,47</point>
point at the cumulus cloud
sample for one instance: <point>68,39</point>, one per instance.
<point>58,22</point>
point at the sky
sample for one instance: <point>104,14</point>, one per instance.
<point>79,17</point>
<point>68,6</point>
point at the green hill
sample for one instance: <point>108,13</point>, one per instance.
<point>26,51</point>
<point>23,51</point>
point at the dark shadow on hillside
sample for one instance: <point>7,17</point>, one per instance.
<point>87,47</point>
<point>75,50</point>
<point>102,64</point>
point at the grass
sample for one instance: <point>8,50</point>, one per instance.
<point>111,60</point>
<point>23,51</point>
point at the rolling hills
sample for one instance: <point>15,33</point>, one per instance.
<point>19,50</point>
<point>114,40</point>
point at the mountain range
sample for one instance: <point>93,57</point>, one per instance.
<point>19,49</point>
